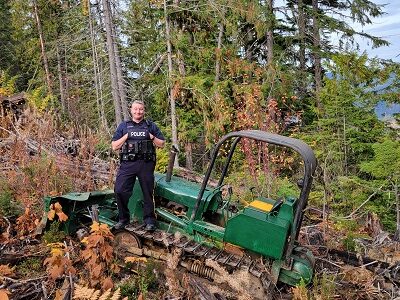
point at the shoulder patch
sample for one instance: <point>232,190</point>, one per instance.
<point>128,124</point>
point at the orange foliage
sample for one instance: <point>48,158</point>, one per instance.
<point>107,284</point>
<point>58,264</point>
<point>5,270</point>
<point>27,223</point>
<point>4,294</point>
<point>256,99</point>
<point>99,255</point>
<point>4,236</point>
<point>37,164</point>
<point>56,209</point>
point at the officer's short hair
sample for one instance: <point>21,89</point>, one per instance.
<point>138,102</point>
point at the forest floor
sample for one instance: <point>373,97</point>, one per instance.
<point>39,157</point>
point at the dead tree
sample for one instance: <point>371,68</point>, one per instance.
<point>112,61</point>
<point>42,47</point>
<point>170,75</point>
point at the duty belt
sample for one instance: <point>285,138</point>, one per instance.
<point>135,157</point>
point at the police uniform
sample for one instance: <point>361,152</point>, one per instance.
<point>138,159</point>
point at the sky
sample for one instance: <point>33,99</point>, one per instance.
<point>386,27</point>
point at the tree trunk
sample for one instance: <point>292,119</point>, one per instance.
<point>345,166</point>
<point>61,79</point>
<point>42,47</point>
<point>97,74</point>
<point>249,36</point>
<point>102,104</point>
<point>317,57</point>
<point>397,196</point>
<point>270,33</point>
<point>100,66</point>
<point>112,62</point>
<point>95,63</point>
<point>218,52</point>
<point>302,48</point>
<point>120,77</point>
<point>181,63</point>
<point>189,156</point>
<point>174,130</point>
<point>66,81</point>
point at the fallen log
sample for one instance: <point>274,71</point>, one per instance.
<point>202,292</point>
<point>388,271</point>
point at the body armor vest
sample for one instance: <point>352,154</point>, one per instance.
<point>138,146</point>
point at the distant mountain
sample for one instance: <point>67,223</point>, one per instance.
<point>383,110</point>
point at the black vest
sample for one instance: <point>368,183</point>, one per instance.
<point>138,145</point>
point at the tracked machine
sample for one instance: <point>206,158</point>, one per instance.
<point>207,225</point>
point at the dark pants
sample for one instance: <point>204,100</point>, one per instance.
<point>127,173</point>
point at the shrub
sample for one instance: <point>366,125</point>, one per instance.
<point>162,160</point>
<point>324,287</point>
<point>54,234</point>
<point>30,266</point>
<point>8,207</point>
<point>140,284</point>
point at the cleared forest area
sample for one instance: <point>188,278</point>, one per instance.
<point>36,263</point>
<point>69,71</point>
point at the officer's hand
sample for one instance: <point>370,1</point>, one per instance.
<point>124,138</point>
<point>116,145</point>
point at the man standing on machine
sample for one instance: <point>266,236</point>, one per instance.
<point>136,139</point>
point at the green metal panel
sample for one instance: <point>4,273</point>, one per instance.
<point>211,202</point>
<point>177,190</point>
<point>75,205</point>
<point>260,231</point>
<point>105,194</point>
<point>257,235</point>
<point>168,217</point>
<point>180,191</point>
<point>135,204</point>
<point>209,229</point>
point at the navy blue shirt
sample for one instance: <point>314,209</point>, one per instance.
<point>138,131</point>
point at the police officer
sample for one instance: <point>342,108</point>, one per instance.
<point>136,140</point>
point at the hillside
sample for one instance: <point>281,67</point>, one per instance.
<point>37,263</point>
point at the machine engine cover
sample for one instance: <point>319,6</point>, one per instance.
<point>261,231</point>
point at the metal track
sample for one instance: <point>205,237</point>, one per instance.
<point>199,251</point>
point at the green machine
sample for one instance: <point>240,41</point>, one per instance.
<point>209,223</point>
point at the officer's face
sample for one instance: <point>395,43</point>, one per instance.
<point>137,111</point>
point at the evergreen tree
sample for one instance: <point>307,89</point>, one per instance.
<point>347,127</point>
<point>385,166</point>
<point>6,42</point>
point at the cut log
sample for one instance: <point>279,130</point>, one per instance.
<point>203,292</point>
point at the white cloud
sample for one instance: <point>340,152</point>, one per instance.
<point>386,27</point>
